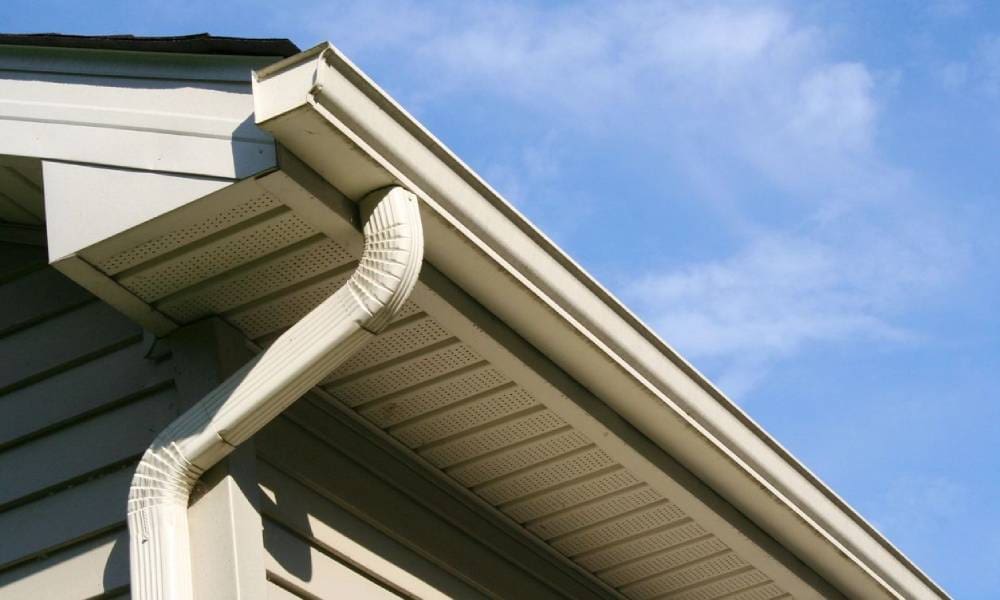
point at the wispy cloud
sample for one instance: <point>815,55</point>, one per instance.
<point>947,8</point>
<point>724,92</point>
<point>986,63</point>
<point>976,71</point>
<point>780,294</point>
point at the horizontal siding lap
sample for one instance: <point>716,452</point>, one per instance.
<point>75,513</point>
<point>85,570</point>
<point>81,391</point>
<point>313,571</point>
<point>88,446</point>
<point>136,98</point>
<point>17,260</point>
<point>30,354</point>
<point>332,529</point>
<point>276,592</point>
<point>79,401</point>
<point>35,296</point>
<point>175,125</point>
<point>428,522</point>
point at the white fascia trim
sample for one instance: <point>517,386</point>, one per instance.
<point>693,421</point>
<point>160,557</point>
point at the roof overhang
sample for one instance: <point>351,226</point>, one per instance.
<point>490,279</point>
<point>335,119</point>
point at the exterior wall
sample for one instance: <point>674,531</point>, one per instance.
<point>316,506</point>
<point>335,498</point>
<point>341,514</point>
<point>316,549</point>
<point>79,402</point>
<point>79,398</point>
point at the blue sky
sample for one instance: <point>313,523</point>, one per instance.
<point>800,197</point>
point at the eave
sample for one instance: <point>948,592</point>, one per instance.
<point>498,285</point>
<point>545,297</point>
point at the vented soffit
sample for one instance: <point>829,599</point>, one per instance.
<point>340,123</point>
<point>512,371</point>
<point>451,385</point>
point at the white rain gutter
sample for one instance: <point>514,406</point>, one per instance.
<point>160,556</point>
<point>486,247</point>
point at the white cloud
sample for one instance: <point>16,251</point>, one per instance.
<point>772,297</point>
<point>953,75</point>
<point>707,86</point>
<point>746,79</point>
<point>780,294</point>
<point>947,8</point>
<point>987,62</point>
<point>835,106</point>
<point>848,273</point>
<point>978,70</point>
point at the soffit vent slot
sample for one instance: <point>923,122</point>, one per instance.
<point>492,439</point>
<point>199,228</point>
<point>217,254</point>
<point>403,375</point>
<point>454,387</point>
<point>393,343</point>
<point>595,512</point>
<point>641,546</point>
<point>301,262</point>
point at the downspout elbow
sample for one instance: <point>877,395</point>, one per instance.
<point>254,395</point>
<point>157,522</point>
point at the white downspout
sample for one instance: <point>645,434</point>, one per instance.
<point>160,556</point>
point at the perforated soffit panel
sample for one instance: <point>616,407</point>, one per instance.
<point>261,267</point>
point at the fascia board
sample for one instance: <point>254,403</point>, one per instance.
<point>184,114</point>
<point>318,102</point>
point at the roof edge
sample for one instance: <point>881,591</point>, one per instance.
<point>771,472</point>
<point>199,43</point>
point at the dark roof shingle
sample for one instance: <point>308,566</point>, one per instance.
<point>199,43</point>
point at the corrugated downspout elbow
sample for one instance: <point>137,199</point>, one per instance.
<point>263,388</point>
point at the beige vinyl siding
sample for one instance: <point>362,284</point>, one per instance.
<point>79,402</point>
<point>326,575</point>
<point>336,500</point>
<point>343,512</point>
<point>316,542</point>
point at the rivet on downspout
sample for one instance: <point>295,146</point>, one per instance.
<point>160,556</point>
